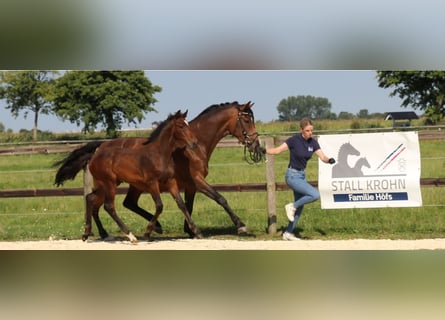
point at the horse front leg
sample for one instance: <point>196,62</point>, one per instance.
<point>203,187</point>
<point>159,207</point>
<point>194,231</point>
<point>131,203</point>
<point>110,208</point>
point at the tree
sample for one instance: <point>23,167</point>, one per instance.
<point>344,115</point>
<point>363,114</point>
<point>296,107</point>
<point>424,90</point>
<point>104,97</point>
<point>27,91</point>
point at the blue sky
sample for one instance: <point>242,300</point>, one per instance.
<point>348,91</point>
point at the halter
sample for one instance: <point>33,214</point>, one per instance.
<point>255,157</point>
<point>246,137</point>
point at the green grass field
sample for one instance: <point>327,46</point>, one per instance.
<point>62,217</point>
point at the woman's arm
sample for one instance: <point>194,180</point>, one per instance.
<point>281,148</point>
<point>324,157</point>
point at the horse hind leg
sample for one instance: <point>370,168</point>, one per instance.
<point>102,232</point>
<point>88,214</point>
<point>131,203</point>
<point>93,202</point>
<point>189,201</point>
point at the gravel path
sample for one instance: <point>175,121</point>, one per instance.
<point>210,244</point>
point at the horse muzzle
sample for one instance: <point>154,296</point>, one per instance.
<point>253,146</point>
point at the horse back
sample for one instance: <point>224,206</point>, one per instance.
<point>128,143</point>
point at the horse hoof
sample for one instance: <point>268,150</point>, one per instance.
<point>242,230</point>
<point>132,238</point>
<point>198,236</point>
<point>158,229</point>
<point>189,232</point>
<point>84,237</point>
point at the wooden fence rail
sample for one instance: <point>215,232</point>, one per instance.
<point>245,187</point>
<point>68,146</point>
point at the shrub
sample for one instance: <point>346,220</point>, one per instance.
<point>355,124</point>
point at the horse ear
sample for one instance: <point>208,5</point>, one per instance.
<point>185,114</point>
<point>247,105</point>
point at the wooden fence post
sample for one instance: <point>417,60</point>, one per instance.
<point>271,189</point>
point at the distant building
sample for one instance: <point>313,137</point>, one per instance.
<point>402,118</point>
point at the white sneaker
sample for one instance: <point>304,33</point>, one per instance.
<point>290,236</point>
<point>290,211</point>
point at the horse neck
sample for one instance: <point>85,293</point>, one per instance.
<point>208,139</point>
<point>164,143</point>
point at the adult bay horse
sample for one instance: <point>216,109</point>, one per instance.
<point>147,168</point>
<point>210,126</point>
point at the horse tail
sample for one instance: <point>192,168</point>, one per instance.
<point>74,162</point>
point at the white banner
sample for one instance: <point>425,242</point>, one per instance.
<point>372,170</point>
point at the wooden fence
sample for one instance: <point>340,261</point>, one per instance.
<point>245,187</point>
<point>270,186</point>
<point>70,145</point>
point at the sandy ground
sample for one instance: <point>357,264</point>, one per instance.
<point>211,244</point>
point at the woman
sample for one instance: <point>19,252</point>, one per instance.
<point>301,147</point>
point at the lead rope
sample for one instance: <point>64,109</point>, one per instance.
<point>253,157</point>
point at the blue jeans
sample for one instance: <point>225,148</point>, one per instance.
<point>304,193</point>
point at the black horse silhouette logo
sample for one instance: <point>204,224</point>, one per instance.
<point>342,168</point>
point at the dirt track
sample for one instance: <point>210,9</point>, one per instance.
<point>210,244</point>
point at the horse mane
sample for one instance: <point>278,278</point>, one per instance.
<point>156,133</point>
<point>213,107</point>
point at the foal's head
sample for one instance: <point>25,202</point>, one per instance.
<point>182,133</point>
<point>176,130</point>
